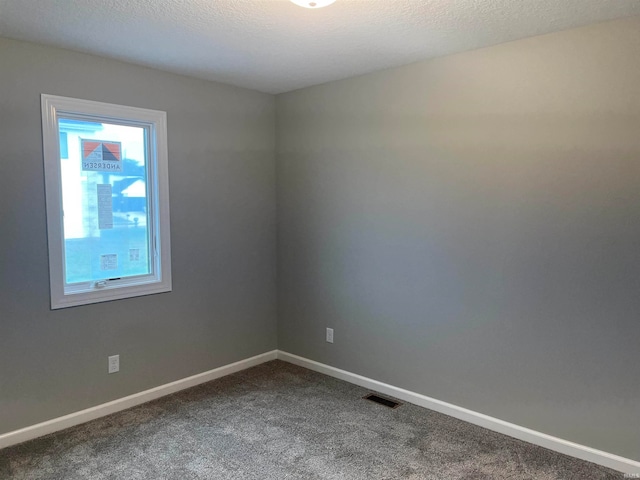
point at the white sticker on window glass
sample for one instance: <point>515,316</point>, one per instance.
<point>105,207</point>
<point>134,254</point>
<point>109,261</point>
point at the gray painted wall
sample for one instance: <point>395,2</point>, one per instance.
<point>470,227</point>
<point>222,188</point>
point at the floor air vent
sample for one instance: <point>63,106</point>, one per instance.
<point>382,401</point>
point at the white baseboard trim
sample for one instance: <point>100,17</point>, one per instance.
<point>60,423</point>
<point>582,452</point>
<point>589,454</point>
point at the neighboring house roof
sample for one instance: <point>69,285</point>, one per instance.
<point>120,185</point>
<point>137,189</point>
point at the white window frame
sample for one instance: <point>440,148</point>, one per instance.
<point>68,295</point>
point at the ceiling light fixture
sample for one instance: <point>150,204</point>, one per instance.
<point>313,3</point>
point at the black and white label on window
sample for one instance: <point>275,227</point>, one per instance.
<point>109,262</point>
<point>105,207</point>
<point>134,254</point>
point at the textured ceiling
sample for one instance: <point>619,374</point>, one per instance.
<point>275,46</point>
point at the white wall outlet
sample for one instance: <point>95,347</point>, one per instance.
<point>114,363</point>
<point>330,335</point>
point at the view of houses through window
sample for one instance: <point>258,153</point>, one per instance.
<point>104,199</point>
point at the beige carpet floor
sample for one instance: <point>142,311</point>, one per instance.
<point>279,421</point>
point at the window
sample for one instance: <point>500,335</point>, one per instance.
<point>106,177</point>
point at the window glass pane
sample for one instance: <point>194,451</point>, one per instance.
<point>104,196</point>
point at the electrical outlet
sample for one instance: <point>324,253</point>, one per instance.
<point>330,335</point>
<point>114,363</point>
